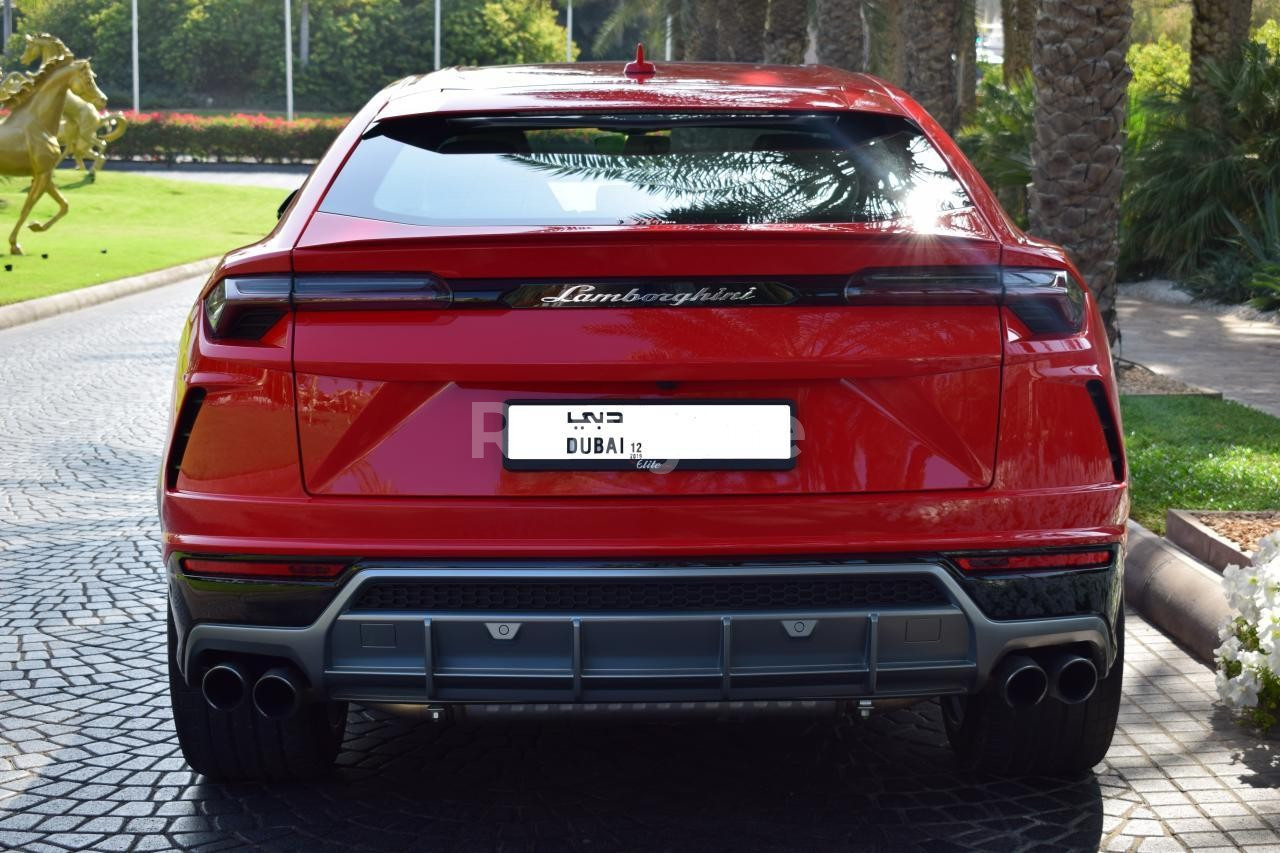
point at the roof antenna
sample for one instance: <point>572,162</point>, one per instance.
<point>640,67</point>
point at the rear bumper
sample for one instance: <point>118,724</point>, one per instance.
<point>817,629</point>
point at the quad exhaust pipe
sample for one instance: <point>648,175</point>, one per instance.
<point>1072,679</point>
<point>1067,677</point>
<point>276,694</point>
<point>224,686</point>
<point>1021,681</point>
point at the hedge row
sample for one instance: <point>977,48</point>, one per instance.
<point>259,138</point>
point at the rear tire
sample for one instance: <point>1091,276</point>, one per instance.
<point>243,745</point>
<point>1051,738</point>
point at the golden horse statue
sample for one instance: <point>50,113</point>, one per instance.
<point>29,134</point>
<point>83,122</point>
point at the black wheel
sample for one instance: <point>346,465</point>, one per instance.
<point>1047,739</point>
<point>243,745</point>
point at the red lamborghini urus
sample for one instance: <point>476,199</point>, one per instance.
<point>709,384</point>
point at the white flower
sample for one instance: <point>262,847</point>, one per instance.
<point>1254,595</point>
<point>1229,650</point>
<point>1241,585</point>
<point>1240,692</point>
<point>1268,549</point>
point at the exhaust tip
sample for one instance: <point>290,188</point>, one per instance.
<point>224,687</point>
<point>277,694</point>
<point>1074,679</point>
<point>1023,683</point>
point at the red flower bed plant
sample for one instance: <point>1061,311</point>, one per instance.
<point>260,138</point>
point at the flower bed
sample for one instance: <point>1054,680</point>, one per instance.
<point>1249,657</point>
<point>220,138</point>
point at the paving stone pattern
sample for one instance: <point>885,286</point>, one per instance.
<point>88,759</point>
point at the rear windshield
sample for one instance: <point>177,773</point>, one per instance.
<point>625,169</point>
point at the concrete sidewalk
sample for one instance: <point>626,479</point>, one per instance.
<point>1194,344</point>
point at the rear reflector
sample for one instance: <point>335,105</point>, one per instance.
<point>1035,561</point>
<point>285,569</point>
<point>1110,429</point>
<point>186,422</point>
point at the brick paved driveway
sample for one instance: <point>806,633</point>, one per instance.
<point>87,757</point>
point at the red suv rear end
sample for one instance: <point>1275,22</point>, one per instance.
<point>555,385</point>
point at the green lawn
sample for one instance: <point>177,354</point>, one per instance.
<point>1199,453</point>
<point>125,224</point>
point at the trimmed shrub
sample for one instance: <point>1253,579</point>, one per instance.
<point>259,138</point>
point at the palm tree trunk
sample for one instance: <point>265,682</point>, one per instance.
<point>787,36</point>
<point>841,34</point>
<point>1018,21</point>
<point>700,35</point>
<point>929,31</point>
<point>742,25</point>
<point>1077,167</point>
<point>1218,29</point>
<point>967,59</point>
<point>887,47</point>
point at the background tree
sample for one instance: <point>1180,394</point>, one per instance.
<point>966,53</point>
<point>197,53</point>
<point>787,36</point>
<point>1017,21</point>
<point>888,53</point>
<point>842,34</point>
<point>1078,58</point>
<point>698,24</point>
<point>742,26</point>
<point>929,31</point>
<point>1218,30</point>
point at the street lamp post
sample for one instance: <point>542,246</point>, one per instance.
<point>568,34</point>
<point>8,22</point>
<point>288,60</point>
<point>437,35</point>
<point>134,44</point>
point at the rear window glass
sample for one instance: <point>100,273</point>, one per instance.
<point>625,169</point>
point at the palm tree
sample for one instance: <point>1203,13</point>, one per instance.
<point>966,59</point>
<point>649,15</point>
<point>787,36</point>
<point>842,34</point>
<point>699,33</point>
<point>887,49</point>
<point>929,31</point>
<point>1017,20</point>
<point>742,25</point>
<point>1077,167</point>
<point>1218,29</point>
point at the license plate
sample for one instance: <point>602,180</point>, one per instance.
<point>608,435</point>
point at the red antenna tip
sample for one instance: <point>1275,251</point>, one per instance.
<point>640,67</point>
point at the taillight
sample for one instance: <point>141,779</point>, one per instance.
<point>263,569</point>
<point>1047,301</point>
<point>246,307</point>
<point>371,291</point>
<point>924,286</point>
<point>1034,561</point>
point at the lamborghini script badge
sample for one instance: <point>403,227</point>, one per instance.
<point>649,294</point>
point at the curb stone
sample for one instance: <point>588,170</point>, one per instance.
<point>1175,592</point>
<point>60,303</point>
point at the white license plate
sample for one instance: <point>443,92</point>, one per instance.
<point>605,435</point>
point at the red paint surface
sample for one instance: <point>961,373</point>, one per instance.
<point>348,433</point>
